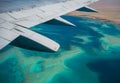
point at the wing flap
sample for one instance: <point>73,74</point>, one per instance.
<point>64,21</point>
<point>38,38</point>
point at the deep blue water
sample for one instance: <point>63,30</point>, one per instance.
<point>98,63</point>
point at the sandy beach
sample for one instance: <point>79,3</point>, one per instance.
<point>108,10</point>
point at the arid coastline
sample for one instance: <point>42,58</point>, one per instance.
<point>107,11</point>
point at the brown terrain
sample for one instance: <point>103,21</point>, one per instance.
<point>108,10</point>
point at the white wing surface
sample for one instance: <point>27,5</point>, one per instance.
<point>14,24</point>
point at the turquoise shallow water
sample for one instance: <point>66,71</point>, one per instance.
<point>89,53</point>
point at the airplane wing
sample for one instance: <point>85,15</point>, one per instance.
<point>16,23</point>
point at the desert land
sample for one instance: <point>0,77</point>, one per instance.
<point>108,10</point>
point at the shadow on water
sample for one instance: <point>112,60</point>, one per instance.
<point>108,70</point>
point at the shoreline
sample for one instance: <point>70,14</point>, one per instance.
<point>103,20</point>
<point>108,11</point>
<point>96,18</point>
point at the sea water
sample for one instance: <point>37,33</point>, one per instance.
<point>89,53</point>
